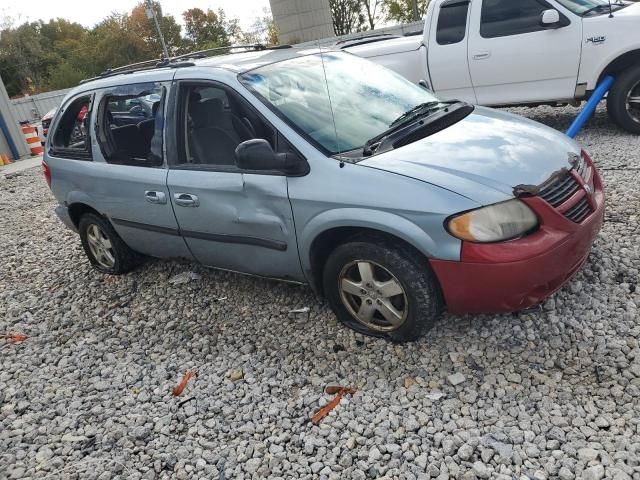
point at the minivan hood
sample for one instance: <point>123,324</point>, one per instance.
<point>483,157</point>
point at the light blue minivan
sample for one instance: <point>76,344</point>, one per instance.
<point>319,167</point>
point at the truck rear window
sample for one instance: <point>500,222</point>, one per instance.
<point>452,22</point>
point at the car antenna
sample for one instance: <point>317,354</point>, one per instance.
<point>610,10</point>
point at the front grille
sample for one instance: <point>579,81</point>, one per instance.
<point>579,211</point>
<point>582,167</point>
<point>559,190</point>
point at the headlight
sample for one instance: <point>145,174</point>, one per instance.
<point>495,223</point>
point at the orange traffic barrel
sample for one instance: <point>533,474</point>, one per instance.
<point>31,135</point>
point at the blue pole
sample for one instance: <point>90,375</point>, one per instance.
<point>7,135</point>
<point>590,106</point>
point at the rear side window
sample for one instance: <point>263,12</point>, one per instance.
<point>130,123</point>
<point>500,18</point>
<point>452,22</point>
<point>71,138</point>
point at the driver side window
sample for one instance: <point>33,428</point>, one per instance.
<point>215,121</point>
<point>500,18</point>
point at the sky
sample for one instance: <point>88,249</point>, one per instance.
<point>90,12</point>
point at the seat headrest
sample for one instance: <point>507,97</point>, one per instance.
<point>206,113</point>
<point>154,108</point>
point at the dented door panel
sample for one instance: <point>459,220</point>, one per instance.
<point>243,222</point>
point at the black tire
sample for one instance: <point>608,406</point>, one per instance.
<point>422,296</point>
<point>627,81</point>
<point>125,259</point>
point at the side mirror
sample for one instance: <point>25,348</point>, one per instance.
<point>257,154</point>
<point>550,18</point>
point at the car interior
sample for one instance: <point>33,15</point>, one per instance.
<point>131,128</point>
<point>216,122</point>
<point>71,132</point>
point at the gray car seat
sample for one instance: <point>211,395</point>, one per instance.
<point>213,137</point>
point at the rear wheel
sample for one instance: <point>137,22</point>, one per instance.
<point>382,288</point>
<point>623,100</point>
<point>104,248</point>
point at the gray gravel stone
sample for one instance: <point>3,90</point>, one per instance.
<point>456,378</point>
<point>593,473</point>
<point>90,390</point>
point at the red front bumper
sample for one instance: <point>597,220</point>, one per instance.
<point>514,275</point>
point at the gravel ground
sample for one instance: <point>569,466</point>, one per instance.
<point>553,394</point>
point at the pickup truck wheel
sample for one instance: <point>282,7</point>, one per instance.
<point>104,248</point>
<point>382,289</point>
<point>623,101</point>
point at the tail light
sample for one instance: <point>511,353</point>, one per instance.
<point>47,173</point>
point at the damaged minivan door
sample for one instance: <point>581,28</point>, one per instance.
<point>230,217</point>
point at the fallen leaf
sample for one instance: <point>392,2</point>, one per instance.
<point>324,411</point>
<point>178,389</point>
<point>333,389</point>
<point>14,337</point>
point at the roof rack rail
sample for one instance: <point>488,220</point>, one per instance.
<point>174,62</point>
<point>377,37</point>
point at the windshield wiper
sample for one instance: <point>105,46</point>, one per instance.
<point>596,8</point>
<point>406,127</point>
<point>419,109</point>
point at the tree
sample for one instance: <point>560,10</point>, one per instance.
<point>373,10</point>
<point>401,11</point>
<point>37,56</point>
<point>114,44</point>
<point>23,59</point>
<point>65,75</point>
<point>347,15</point>
<point>138,23</point>
<point>263,31</point>
<point>206,29</point>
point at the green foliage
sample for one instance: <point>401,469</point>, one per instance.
<point>348,16</point>
<point>206,29</point>
<point>63,75</point>
<point>40,56</point>
<point>402,11</point>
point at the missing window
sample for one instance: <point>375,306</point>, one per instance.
<point>130,125</point>
<point>71,137</point>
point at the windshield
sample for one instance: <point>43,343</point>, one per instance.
<point>582,6</point>
<point>365,98</point>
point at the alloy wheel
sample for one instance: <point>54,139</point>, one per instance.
<point>633,102</point>
<point>100,246</point>
<point>373,295</point>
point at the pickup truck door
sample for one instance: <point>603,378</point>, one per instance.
<point>514,59</point>
<point>447,53</point>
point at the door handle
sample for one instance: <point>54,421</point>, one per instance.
<point>155,197</point>
<point>186,200</point>
<point>481,55</point>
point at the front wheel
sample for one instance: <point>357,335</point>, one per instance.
<point>382,288</point>
<point>623,100</point>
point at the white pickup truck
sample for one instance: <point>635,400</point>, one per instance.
<point>521,52</point>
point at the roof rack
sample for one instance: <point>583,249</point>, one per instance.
<point>352,42</point>
<point>179,60</point>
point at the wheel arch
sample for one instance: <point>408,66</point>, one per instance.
<point>330,229</point>
<point>620,64</point>
<point>78,209</point>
